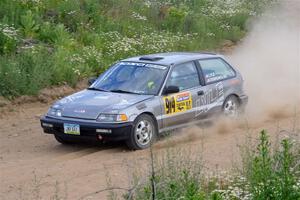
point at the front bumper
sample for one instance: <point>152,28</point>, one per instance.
<point>88,130</point>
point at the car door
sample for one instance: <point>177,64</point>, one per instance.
<point>179,107</point>
<point>217,75</point>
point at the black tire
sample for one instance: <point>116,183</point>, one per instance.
<point>231,106</point>
<point>138,139</point>
<point>63,140</point>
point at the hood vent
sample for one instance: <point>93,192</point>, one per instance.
<point>151,58</point>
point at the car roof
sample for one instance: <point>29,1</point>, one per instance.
<point>171,57</point>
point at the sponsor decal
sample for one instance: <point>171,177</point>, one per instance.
<point>211,98</point>
<point>102,97</point>
<point>71,98</point>
<point>156,66</point>
<point>144,65</point>
<point>178,103</point>
<point>132,63</point>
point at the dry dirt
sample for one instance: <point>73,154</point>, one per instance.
<point>34,166</point>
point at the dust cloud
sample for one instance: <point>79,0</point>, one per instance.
<point>269,59</point>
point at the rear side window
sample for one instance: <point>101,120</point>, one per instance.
<point>184,76</point>
<point>215,70</point>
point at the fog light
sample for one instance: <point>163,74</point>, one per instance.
<point>47,125</point>
<point>103,130</point>
<point>99,137</point>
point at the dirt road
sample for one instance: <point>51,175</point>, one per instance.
<point>34,166</point>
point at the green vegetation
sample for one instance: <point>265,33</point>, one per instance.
<point>51,42</point>
<point>267,173</point>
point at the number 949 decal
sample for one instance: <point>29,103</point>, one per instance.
<point>178,103</point>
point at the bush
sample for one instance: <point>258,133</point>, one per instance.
<point>177,176</point>
<point>269,173</point>
<point>274,175</point>
<point>175,19</point>
<point>25,73</point>
<point>28,24</point>
<point>8,39</point>
<point>55,34</point>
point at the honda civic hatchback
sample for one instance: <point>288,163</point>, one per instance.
<point>139,98</point>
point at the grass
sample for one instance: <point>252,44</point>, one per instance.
<point>44,43</point>
<point>269,173</point>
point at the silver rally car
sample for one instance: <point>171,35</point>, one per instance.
<point>138,98</point>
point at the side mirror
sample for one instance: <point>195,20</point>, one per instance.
<point>92,80</point>
<point>171,89</point>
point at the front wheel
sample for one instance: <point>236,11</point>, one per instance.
<point>231,107</point>
<point>143,134</point>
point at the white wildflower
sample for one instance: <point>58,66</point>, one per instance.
<point>138,16</point>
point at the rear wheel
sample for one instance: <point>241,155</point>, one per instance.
<point>231,107</point>
<point>143,134</point>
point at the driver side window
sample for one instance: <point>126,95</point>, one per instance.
<point>184,76</point>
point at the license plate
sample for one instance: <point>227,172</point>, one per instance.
<point>72,129</point>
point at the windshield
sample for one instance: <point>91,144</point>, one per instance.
<point>129,77</point>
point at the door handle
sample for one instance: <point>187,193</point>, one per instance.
<point>201,92</point>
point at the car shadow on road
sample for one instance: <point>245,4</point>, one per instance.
<point>88,147</point>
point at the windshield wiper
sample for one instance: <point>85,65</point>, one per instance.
<point>123,91</point>
<point>97,89</point>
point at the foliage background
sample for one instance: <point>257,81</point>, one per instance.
<point>53,42</point>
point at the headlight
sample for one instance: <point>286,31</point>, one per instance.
<point>54,112</point>
<point>112,118</point>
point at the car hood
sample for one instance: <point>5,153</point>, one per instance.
<point>88,104</point>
